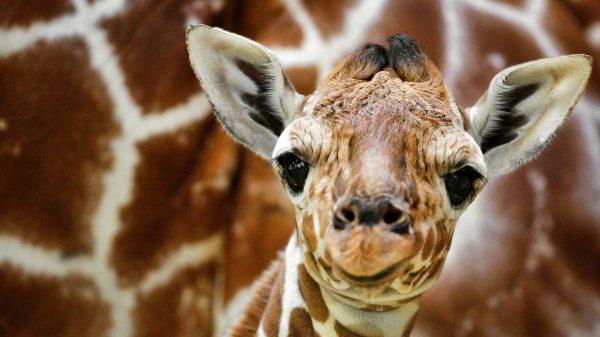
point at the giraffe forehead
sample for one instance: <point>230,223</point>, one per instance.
<point>382,127</point>
<point>346,139</point>
<point>383,101</point>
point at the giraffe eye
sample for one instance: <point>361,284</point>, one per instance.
<point>295,171</point>
<point>459,185</point>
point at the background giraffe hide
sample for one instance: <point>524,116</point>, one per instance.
<point>125,210</point>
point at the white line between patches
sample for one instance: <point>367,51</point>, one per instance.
<point>188,255</point>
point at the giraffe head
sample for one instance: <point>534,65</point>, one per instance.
<point>380,161</point>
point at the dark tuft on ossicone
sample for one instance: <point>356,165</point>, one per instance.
<point>403,55</point>
<point>407,58</point>
<point>373,53</point>
<point>372,58</point>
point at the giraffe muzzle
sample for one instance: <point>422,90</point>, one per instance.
<point>370,240</point>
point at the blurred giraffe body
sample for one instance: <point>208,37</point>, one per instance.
<point>379,162</point>
<point>125,205</point>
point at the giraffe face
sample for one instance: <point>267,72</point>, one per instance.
<point>379,161</point>
<point>379,170</point>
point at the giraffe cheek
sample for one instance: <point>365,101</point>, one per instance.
<point>308,233</point>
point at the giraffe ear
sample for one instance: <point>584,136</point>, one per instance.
<point>523,108</point>
<point>251,95</point>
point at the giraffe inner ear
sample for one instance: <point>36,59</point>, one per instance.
<point>523,108</point>
<point>251,95</point>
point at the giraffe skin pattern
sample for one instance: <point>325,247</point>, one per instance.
<point>125,210</point>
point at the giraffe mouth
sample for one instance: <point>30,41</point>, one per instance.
<point>382,276</point>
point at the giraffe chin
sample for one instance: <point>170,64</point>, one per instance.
<point>382,296</point>
<point>378,297</point>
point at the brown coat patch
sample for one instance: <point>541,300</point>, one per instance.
<point>418,242</point>
<point>255,307</point>
<point>442,238</point>
<point>272,314</point>
<point>311,294</point>
<point>57,126</point>
<point>249,17</point>
<point>310,261</point>
<point>190,292</point>
<point>308,232</point>
<point>26,12</point>
<point>270,217</point>
<point>342,331</point>
<point>304,78</point>
<point>167,210</point>
<point>163,80</point>
<point>300,324</point>
<point>428,244</point>
<point>39,305</point>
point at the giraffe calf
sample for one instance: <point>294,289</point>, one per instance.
<point>379,163</point>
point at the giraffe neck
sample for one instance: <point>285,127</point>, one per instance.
<point>395,322</point>
<point>298,306</point>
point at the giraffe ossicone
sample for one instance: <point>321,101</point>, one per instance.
<point>379,162</point>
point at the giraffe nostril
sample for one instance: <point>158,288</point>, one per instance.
<point>344,216</point>
<point>394,216</point>
<point>364,212</point>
